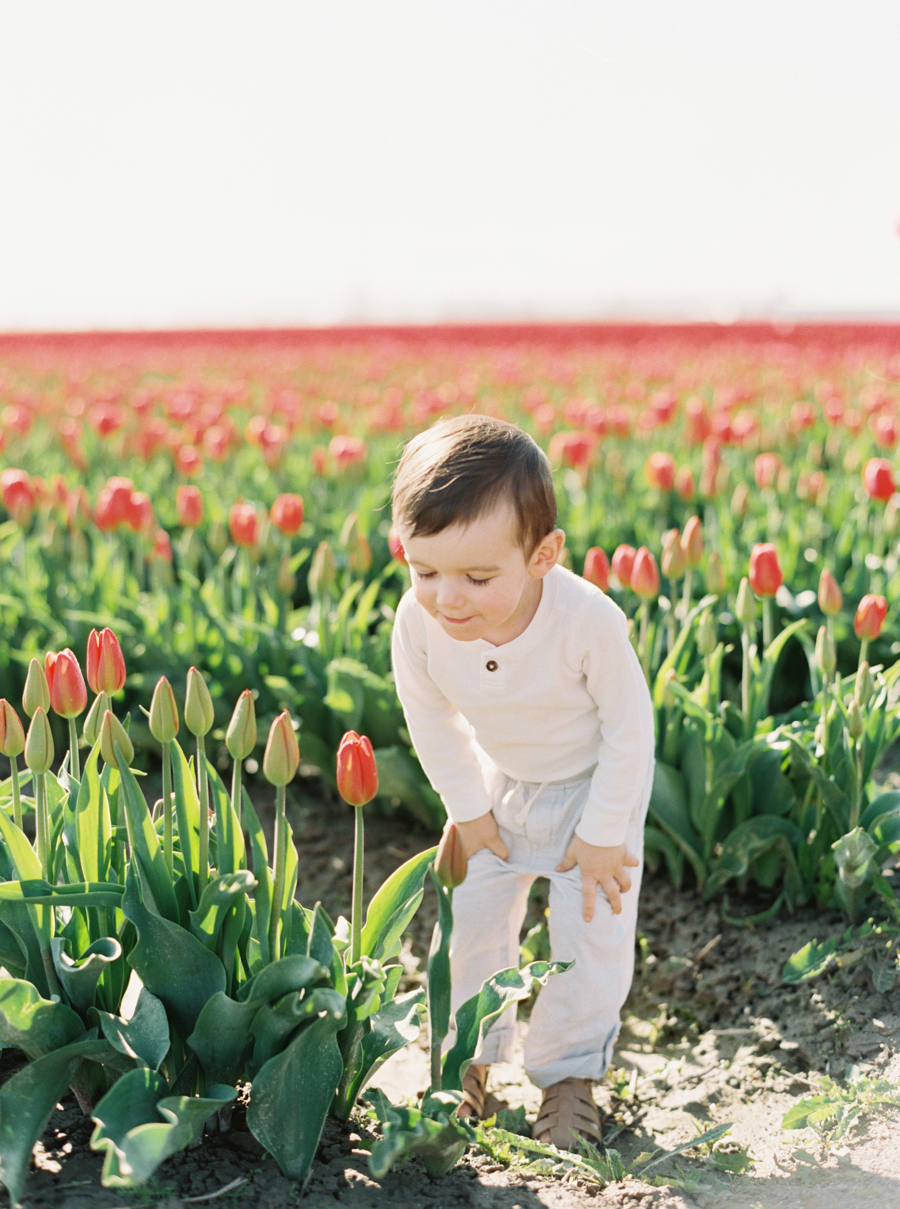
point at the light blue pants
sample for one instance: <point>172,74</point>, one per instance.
<point>575,1020</point>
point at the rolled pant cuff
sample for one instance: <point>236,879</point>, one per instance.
<point>499,1046</point>
<point>593,1068</point>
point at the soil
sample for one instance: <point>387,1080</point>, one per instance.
<point>711,1035</point>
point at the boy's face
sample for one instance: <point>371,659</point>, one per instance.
<point>475,579</point>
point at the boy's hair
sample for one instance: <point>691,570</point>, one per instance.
<point>459,469</point>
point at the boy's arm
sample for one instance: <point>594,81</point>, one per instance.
<point>603,867</point>
<point>482,833</point>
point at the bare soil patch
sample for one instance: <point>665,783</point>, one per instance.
<point>711,1035</point>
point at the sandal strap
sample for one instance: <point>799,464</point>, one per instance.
<point>567,1112</point>
<point>474,1088</point>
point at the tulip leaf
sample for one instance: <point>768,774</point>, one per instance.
<point>669,808</point>
<point>79,977</point>
<point>438,980</point>
<point>476,1015</point>
<point>27,867</point>
<point>139,1125</point>
<point>145,849</point>
<point>393,906</point>
<point>222,1038</point>
<point>264,883</point>
<point>230,853</point>
<point>400,777</point>
<point>220,899</point>
<point>291,1096</point>
<point>433,1132</point>
<point>92,826</point>
<point>28,1099</point>
<point>32,1023</point>
<point>747,842</point>
<point>145,1037</point>
<point>388,1030</point>
<point>276,1023</point>
<point>170,962</point>
<point>187,814</point>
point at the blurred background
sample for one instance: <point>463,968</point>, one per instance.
<point>227,164</point>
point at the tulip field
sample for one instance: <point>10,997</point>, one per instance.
<point>198,577</point>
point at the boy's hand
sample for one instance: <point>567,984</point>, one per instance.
<point>604,867</point>
<point>482,833</point>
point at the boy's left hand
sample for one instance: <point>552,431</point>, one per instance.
<point>603,867</point>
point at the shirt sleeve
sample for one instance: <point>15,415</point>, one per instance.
<point>441,736</point>
<point>622,780</point>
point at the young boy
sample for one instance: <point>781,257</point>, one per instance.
<point>529,712</point>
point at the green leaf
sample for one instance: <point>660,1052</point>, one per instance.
<point>476,1015</point>
<point>401,779</point>
<point>392,907</point>
<point>145,1037</point>
<point>230,853</point>
<point>78,977</point>
<point>810,961</point>
<point>221,897</point>
<point>145,850</point>
<point>92,826</point>
<point>439,1140</point>
<point>438,979</point>
<point>276,1023</point>
<point>291,1096</point>
<point>32,1023</point>
<point>139,1125</point>
<point>669,807</point>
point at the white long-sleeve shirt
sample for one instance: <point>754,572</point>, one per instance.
<point>566,695</point>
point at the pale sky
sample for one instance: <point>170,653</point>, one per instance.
<point>211,163</point>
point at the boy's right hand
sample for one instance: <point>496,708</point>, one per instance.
<point>482,833</point>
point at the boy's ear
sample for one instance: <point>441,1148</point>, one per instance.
<point>546,556</point>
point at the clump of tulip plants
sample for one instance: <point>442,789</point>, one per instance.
<point>231,979</point>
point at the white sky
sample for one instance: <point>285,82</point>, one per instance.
<point>210,163</point>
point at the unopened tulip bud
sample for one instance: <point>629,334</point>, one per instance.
<point>450,862</point>
<point>285,580</point>
<point>39,750</point>
<point>870,615</point>
<point>359,559</point>
<point>672,561</point>
<point>349,531</point>
<point>745,605</point>
<point>670,699</point>
<point>37,691</point>
<point>645,574</point>
<point>163,712</point>
<point>715,574</point>
<point>199,712</point>
<point>217,538</point>
<point>68,691</point>
<point>322,572</point>
<point>282,755</point>
<point>112,735</point>
<point>357,772</point>
<point>765,573</point>
<point>740,499</point>
<point>855,722</point>
<point>240,738</point>
<point>692,542</point>
<point>596,568</point>
<point>707,637</point>
<point>105,664</point>
<point>829,594</point>
<point>623,563</point>
<point>12,734</point>
<point>92,722</point>
<point>864,689</point>
<point>395,545</point>
<point>826,658</point>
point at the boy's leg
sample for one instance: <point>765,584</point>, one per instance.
<point>575,1020</point>
<point>488,910</point>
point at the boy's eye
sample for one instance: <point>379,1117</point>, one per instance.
<point>425,574</point>
<point>478,582</point>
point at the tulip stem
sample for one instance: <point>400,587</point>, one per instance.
<point>279,854</point>
<point>686,595</point>
<point>863,652</point>
<point>167,804</point>
<point>16,795</point>
<point>42,823</point>
<point>642,639</point>
<point>356,904</point>
<point>768,622</point>
<point>745,677</point>
<point>236,791</point>
<point>203,794</point>
<point>73,748</point>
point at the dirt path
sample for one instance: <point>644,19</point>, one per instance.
<point>711,1035</point>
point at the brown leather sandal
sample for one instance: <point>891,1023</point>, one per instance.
<point>567,1112</point>
<point>477,1101</point>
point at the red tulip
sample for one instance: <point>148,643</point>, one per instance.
<point>395,545</point>
<point>659,471</point>
<point>766,469</point>
<point>287,514</point>
<point>829,594</point>
<point>18,493</point>
<point>645,574</point>
<point>765,573</point>
<point>105,663</point>
<point>573,449</point>
<point>139,513</point>
<point>878,479</point>
<point>684,482</point>
<point>347,451</point>
<point>243,521</point>
<point>622,563</point>
<point>596,568</point>
<point>357,773</point>
<point>189,503</point>
<point>162,546</point>
<point>870,616</point>
<point>113,503</point>
<point>450,862</point>
<point>68,692</point>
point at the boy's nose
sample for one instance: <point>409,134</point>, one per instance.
<point>448,593</point>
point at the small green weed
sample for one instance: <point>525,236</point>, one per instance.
<point>837,1110</point>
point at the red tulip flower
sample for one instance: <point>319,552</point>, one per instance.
<point>622,563</point>
<point>113,503</point>
<point>243,521</point>
<point>596,568</point>
<point>105,663</point>
<point>357,773</point>
<point>68,692</point>
<point>870,617</point>
<point>692,542</point>
<point>765,573</point>
<point>189,503</point>
<point>878,479</point>
<point>659,471</point>
<point>829,594</point>
<point>287,514</point>
<point>395,545</point>
<point>645,574</point>
<point>766,468</point>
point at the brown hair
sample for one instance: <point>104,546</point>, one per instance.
<point>457,470</point>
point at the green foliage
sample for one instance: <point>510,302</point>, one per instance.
<point>837,1110</point>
